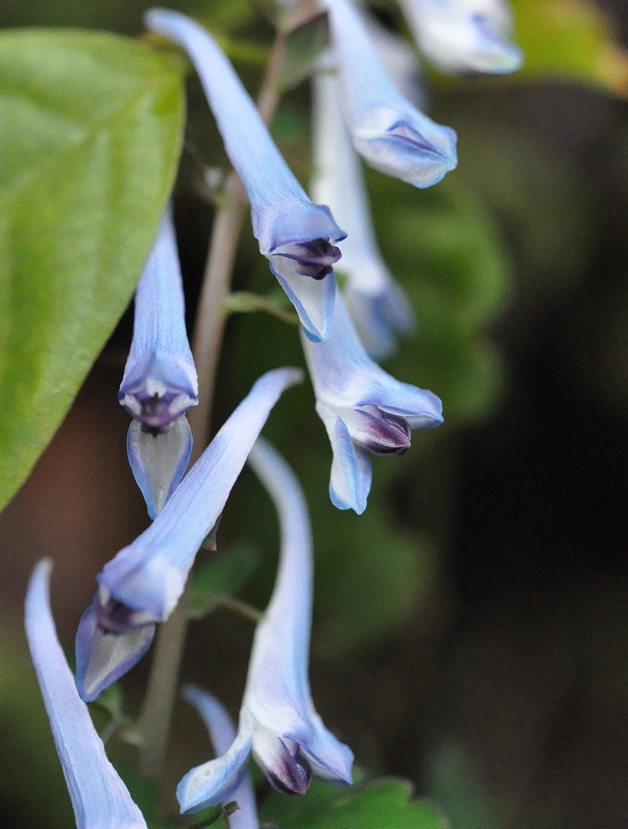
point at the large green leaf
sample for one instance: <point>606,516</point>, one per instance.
<point>382,804</point>
<point>90,131</point>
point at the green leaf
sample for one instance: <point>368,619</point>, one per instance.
<point>304,45</point>
<point>90,130</point>
<point>222,575</point>
<point>383,804</point>
<point>570,39</point>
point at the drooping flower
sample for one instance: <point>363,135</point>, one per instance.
<point>295,235</point>
<point>222,734</point>
<point>378,305</point>
<point>159,384</point>
<point>391,134</point>
<point>363,409</point>
<point>143,583</point>
<point>278,723</point>
<point>464,36</point>
<point>99,797</point>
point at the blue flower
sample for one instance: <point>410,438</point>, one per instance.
<point>378,305</point>
<point>99,797</point>
<point>222,734</point>
<point>278,723</point>
<point>143,583</point>
<point>363,408</point>
<point>387,130</point>
<point>295,235</point>
<point>159,384</point>
<point>464,36</point>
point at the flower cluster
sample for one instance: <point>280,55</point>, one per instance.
<point>360,109</point>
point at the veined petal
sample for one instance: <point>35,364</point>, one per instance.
<point>99,797</point>
<point>377,303</point>
<point>277,693</point>
<point>143,583</point>
<point>294,234</point>
<point>102,656</point>
<point>159,461</point>
<point>387,130</point>
<point>216,781</point>
<point>223,734</point>
<point>159,383</point>
<point>463,36</point>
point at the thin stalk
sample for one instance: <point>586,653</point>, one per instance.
<point>156,714</point>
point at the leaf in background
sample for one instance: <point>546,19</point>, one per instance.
<point>570,39</point>
<point>90,130</point>
<point>304,45</point>
<point>222,575</point>
<point>382,804</point>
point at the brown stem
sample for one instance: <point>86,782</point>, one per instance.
<point>156,714</point>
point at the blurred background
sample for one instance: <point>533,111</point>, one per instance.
<point>471,628</point>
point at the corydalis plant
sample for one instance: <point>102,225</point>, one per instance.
<point>99,797</point>
<point>141,586</point>
<point>160,383</point>
<point>278,723</point>
<point>296,236</point>
<point>389,132</point>
<point>364,410</point>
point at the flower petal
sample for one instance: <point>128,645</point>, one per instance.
<point>293,233</point>
<point>222,734</point>
<point>99,797</point>
<point>159,461</point>
<point>216,781</point>
<point>277,691</point>
<point>462,36</point>
<point>159,383</point>
<point>102,657</point>
<point>379,304</point>
<point>351,470</point>
<point>387,130</point>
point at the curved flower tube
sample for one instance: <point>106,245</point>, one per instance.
<point>296,236</point>
<point>222,733</point>
<point>99,797</point>
<point>364,410</point>
<point>278,722</point>
<point>378,306</point>
<point>143,583</point>
<point>464,36</point>
<point>159,384</point>
<point>386,129</point>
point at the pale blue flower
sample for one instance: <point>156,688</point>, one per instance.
<point>363,408</point>
<point>389,132</point>
<point>295,235</point>
<point>159,384</point>
<point>379,308</point>
<point>464,36</point>
<point>278,723</point>
<point>143,583</point>
<point>222,734</point>
<point>99,797</point>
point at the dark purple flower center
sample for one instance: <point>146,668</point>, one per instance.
<point>314,259</point>
<point>292,774</point>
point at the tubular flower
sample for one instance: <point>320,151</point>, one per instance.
<point>377,304</point>
<point>296,236</point>
<point>99,797</point>
<point>278,723</point>
<point>222,734</point>
<point>386,129</point>
<point>159,383</point>
<point>464,36</point>
<point>364,410</point>
<point>143,583</point>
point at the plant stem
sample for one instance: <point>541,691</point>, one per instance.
<point>156,714</point>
